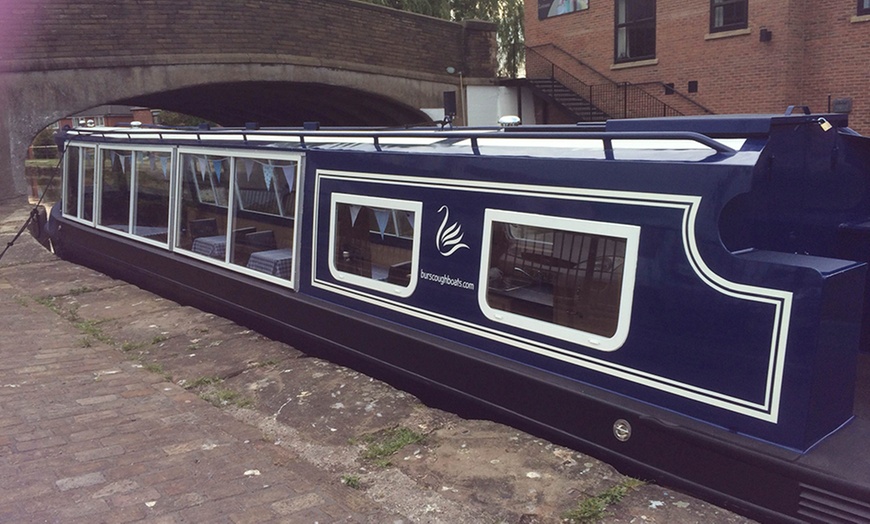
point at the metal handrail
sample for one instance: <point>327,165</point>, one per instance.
<point>619,100</point>
<point>454,135</point>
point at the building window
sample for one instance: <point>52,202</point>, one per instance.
<point>551,8</point>
<point>635,30</point>
<point>728,15</point>
<point>864,7</point>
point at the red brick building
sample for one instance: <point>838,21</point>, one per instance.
<point>697,56</point>
<point>110,115</point>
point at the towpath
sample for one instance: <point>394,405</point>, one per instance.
<point>119,406</point>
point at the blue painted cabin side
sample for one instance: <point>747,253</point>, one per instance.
<point>755,341</point>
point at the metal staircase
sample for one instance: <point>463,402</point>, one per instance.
<point>598,98</point>
<point>557,93</point>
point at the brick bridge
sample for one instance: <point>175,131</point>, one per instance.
<point>278,62</point>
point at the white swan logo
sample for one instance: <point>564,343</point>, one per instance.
<point>449,238</point>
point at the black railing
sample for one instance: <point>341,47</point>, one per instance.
<point>580,95</point>
<point>613,99</point>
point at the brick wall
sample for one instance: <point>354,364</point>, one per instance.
<point>837,46</point>
<point>36,35</point>
<point>817,49</point>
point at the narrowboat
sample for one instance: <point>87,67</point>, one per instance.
<point>681,297</point>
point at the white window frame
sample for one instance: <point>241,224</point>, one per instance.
<point>134,188</point>
<point>630,233</point>
<point>384,203</point>
<point>231,155</point>
<point>81,182</point>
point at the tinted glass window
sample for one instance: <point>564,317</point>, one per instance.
<point>727,15</point>
<point>635,30</point>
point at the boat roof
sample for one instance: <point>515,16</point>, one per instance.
<point>694,138</point>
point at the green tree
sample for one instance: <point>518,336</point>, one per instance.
<point>508,14</point>
<point>511,43</point>
<point>171,118</point>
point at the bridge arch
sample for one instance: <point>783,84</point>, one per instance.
<point>276,62</point>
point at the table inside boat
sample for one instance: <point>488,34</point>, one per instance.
<point>215,247</point>
<point>275,262</point>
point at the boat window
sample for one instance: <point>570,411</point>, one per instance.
<point>262,215</point>
<point>210,176</point>
<point>375,242</point>
<point>256,234</point>
<point>78,196</point>
<point>71,181</point>
<point>205,183</point>
<point>89,166</point>
<point>266,185</point>
<point>116,177</point>
<point>571,279</point>
<point>152,170</point>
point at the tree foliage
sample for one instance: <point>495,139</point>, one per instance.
<point>508,14</point>
<point>511,43</point>
<point>171,118</point>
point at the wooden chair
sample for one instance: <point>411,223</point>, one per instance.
<point>261,240</point>
<point>253,242</point>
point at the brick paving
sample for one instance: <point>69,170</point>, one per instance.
<point>89,436</point>
<point>96,427</point>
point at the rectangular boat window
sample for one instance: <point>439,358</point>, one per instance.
<point>116,179</point>
<point>152,170</point>
<point>266,185</point>
<point>202,222</point>
<point>78,195</point>
<point>210,176</point>
<point>571,279</point>
<point>89,166</point>
<point>375,242</point>
<point>71,184</point>
<point>262,215</point>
